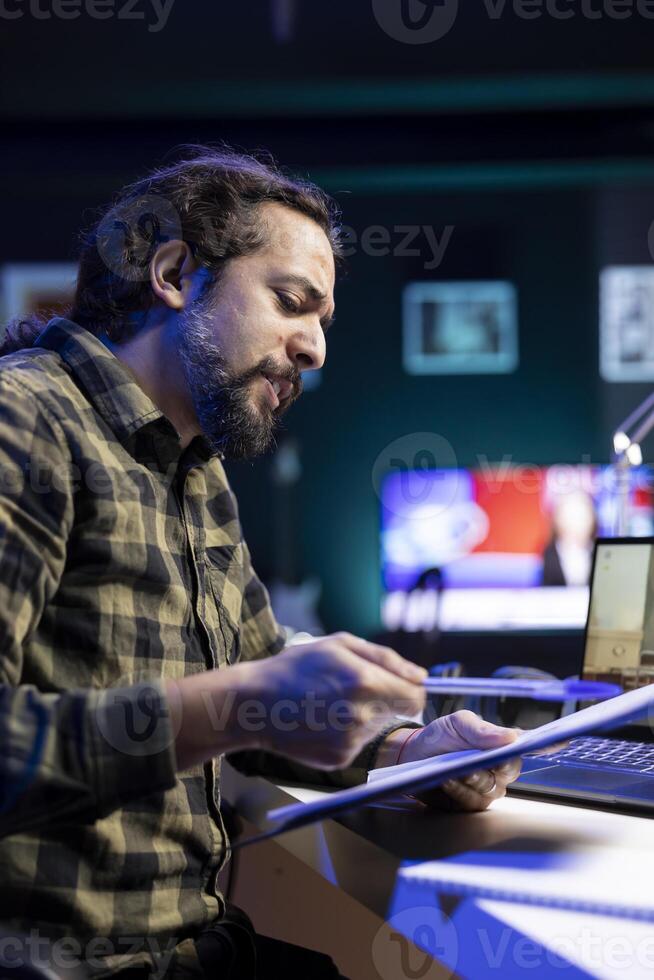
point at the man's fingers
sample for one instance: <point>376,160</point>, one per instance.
<point>483,782</point>
<point>478,733</point>
<point>465,730</point>
<point>467,798</point>
<point>455,795</point>
<point>390,695</point>
<point>375,694</point>
<point>509,771</point>
<point>382,656</point>
<point>550,749</point>
<point>389,679</point>
<point>472,793</point>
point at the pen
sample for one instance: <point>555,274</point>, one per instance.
<point>539,690</point>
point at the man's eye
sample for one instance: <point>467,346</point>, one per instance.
<point>288,303</point>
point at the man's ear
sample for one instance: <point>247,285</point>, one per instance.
<point>171,274</point>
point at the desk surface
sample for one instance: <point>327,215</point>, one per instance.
<point>363,854</point>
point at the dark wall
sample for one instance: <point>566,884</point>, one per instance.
<point>532,139</point>
<point>208,55</point>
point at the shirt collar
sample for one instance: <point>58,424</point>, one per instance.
<point>109,386</point>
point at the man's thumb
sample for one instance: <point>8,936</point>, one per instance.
<point>478,731</point>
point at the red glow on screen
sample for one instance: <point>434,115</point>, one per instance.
<point>512,502</point>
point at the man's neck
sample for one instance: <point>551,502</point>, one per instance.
<point>157,370</point>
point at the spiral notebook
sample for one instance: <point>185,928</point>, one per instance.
<point>587,880</point>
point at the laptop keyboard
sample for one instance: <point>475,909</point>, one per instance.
<point>607,753</point>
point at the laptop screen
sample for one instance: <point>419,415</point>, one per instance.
<point>620,628</point>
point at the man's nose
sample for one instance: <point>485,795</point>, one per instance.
<point>307,349</point>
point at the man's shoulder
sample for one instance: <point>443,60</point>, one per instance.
<point>33,368</point>
<point>41,376</point>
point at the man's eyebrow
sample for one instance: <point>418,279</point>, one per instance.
<point>312,291</point>
<point>302,282</point>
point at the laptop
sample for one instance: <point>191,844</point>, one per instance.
<point>615,771</point>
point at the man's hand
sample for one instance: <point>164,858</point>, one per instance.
<point>454,733</point>
<point>318,702</point>
<point>346,690</point>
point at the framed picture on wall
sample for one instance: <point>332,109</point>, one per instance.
<point>460,328</point>
<point>36,287</point>
<point>627,323</point>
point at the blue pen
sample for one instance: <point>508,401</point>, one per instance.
<point>538,690</point>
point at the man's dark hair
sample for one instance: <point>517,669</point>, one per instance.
<point>210,198</point>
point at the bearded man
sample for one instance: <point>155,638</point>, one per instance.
<point>135,634</point>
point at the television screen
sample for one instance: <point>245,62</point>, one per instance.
<point>503,527</point>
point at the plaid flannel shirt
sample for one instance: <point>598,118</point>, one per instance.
<point>123,564</point>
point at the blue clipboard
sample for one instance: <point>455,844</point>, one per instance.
<point>416,777</point>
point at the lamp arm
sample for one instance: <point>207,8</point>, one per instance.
<point>636,415</point>
<point>643,429</point>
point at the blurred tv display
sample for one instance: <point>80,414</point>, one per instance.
<point>517,527</point>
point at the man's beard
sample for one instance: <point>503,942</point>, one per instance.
<point>224,401</point>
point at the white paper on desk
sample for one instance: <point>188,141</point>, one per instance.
<point>413,777</point>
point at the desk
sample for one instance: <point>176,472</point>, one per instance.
<point>335,886</point>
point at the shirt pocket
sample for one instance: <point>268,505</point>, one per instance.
<point>226,580</point>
